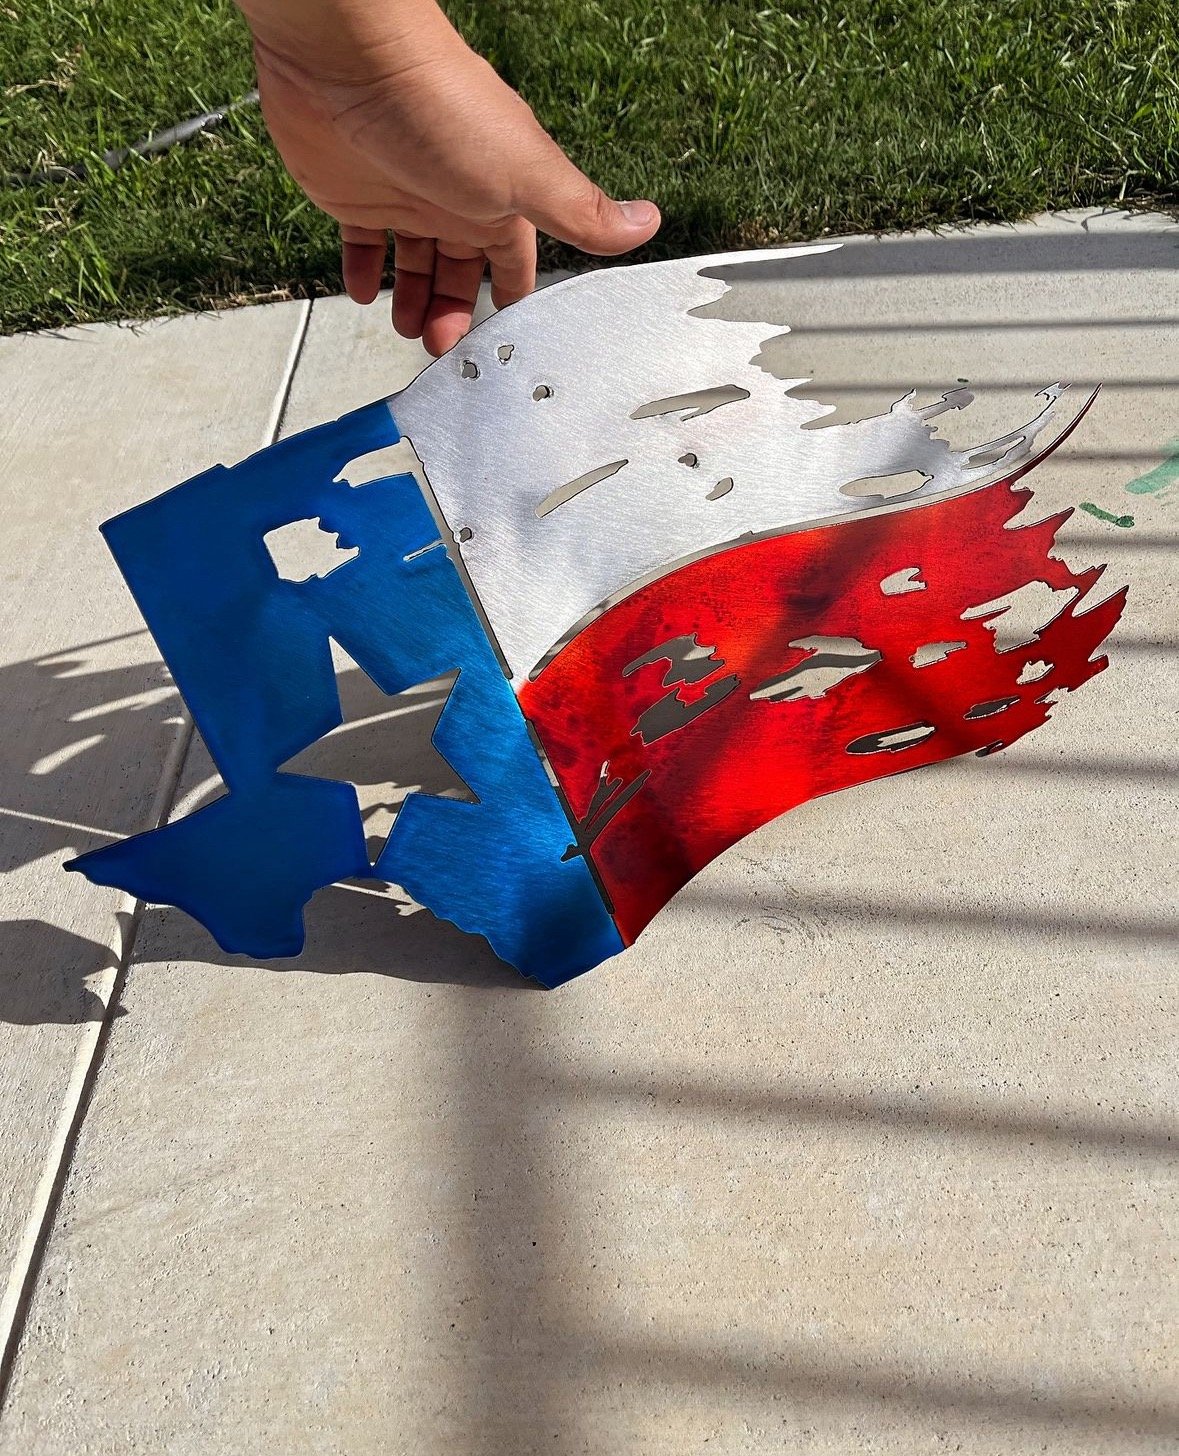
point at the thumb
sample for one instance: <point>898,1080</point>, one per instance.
<point>562,201</point>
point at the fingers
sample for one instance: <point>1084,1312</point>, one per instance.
<point>562,201</point>
<point>436,288</point>
<point>437,282</point>
<point>458,271</point>
<point>363,257</point>
<point>413,284</point>
<point>513,263</point>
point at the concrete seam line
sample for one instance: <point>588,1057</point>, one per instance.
<point>282,397</point>
<point>88,1057</point>
<point>128,912</point>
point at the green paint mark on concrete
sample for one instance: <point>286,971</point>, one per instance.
<point>1161,476</point>
<point>1106,515</point>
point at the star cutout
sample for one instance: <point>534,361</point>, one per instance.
<point>383,748</point>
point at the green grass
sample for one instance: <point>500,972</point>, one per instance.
<point>748,124</point>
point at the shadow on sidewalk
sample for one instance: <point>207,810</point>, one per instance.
<point>66,733</point>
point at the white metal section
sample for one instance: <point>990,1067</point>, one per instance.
<point>522,445</point>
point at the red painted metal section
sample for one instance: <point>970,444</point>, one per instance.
<point>665,807</point>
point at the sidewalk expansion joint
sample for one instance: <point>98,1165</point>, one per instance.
<point>107,987</point>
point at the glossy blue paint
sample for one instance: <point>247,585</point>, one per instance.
<point>251,655</point>
<point>245,865</point>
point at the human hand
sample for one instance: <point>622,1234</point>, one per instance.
<point>391,124</point>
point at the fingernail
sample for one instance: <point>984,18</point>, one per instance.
<point>638,213</point>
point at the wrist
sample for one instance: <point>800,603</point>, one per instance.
<point>350,41</point>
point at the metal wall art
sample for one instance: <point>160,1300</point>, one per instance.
<point>672,603</point>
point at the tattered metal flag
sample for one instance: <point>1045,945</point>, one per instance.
<point>674,604</point>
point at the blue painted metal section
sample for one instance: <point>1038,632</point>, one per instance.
<point>252,658</point>
<point>245,865</point>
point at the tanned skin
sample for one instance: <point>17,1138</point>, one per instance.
<point>396,128</point>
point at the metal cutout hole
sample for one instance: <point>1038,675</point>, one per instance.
<point>908,579</point>
<point>892,740</point>
<point>505,352</point>
<point>930,652</point>
<point>689,663</point>
<point>382,464</point>
<point>721,488</point>
<point>611,795</point>
<point>989,709</point>
<point>542,391</point>
<point>383,746</point>
<point>304,549</point>
<point>470,369</point>
<point>832,661</point>
<point>566,492</point>
<point>691,406</point>
<point>983,458</point>
<point>886,487</point>
<point>671,712</point>
<point>1033,670</point>
<point>1019,617</point>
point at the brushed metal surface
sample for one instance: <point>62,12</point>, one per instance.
<point>521,429</point>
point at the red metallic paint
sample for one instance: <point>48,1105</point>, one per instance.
<point>683,798</point>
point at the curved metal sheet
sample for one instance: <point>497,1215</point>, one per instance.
<point>695,649</point>
<point>599,431</point>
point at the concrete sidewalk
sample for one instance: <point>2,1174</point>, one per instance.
<point>868,1145</point>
